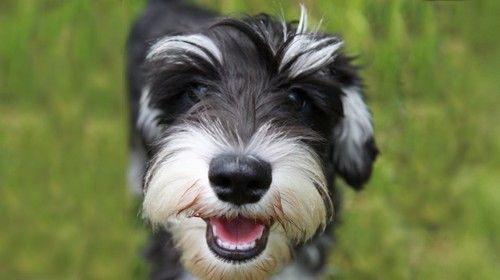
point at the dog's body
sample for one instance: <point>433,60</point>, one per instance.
<point>238,129</point>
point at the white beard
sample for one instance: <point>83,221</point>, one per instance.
<point>178,196</point>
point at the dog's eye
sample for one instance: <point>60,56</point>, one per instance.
<point>297,99</point>
<point>196,92</point>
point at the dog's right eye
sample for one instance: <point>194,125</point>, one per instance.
<point>196,92</point>
<point>298,100</point>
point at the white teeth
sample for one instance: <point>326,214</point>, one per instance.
<point>245,246</point>
<point>229,246</point>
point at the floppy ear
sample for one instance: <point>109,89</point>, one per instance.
<point>353,142</point>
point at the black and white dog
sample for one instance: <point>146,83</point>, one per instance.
<point>239,127</point>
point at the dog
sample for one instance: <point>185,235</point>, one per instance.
<point>239,127</point>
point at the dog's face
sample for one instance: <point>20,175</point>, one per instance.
<point>245,120</point>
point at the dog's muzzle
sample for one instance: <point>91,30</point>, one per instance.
<point>239,180</point>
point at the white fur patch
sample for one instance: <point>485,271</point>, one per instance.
<point>147,120</point>
<point>308,51</point>
<point>172,46</point>
<point>303,22</point>
<point>353,132</point>
<point>178,195</point>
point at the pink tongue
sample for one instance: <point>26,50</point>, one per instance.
<point>237,231</point>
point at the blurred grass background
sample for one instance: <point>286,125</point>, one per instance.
<point>431,210</point>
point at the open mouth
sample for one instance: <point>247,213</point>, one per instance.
<point>236,240</point>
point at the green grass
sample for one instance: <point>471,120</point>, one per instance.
<point>430,211</point>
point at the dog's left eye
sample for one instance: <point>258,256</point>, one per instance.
<point>196,92</point>
<point>297,99</point>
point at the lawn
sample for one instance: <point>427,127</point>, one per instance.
<point>431,210</point>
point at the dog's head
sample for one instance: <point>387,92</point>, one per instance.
<point>245,120</point>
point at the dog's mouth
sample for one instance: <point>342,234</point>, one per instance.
<point>236,240</point>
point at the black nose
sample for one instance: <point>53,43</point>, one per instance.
<point>239,179</point>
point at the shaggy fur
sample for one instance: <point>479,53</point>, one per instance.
<point>202,86</point>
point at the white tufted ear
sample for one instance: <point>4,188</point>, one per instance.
<point>354,146</point>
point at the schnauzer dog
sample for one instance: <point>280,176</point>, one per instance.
<point>239,127</point>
